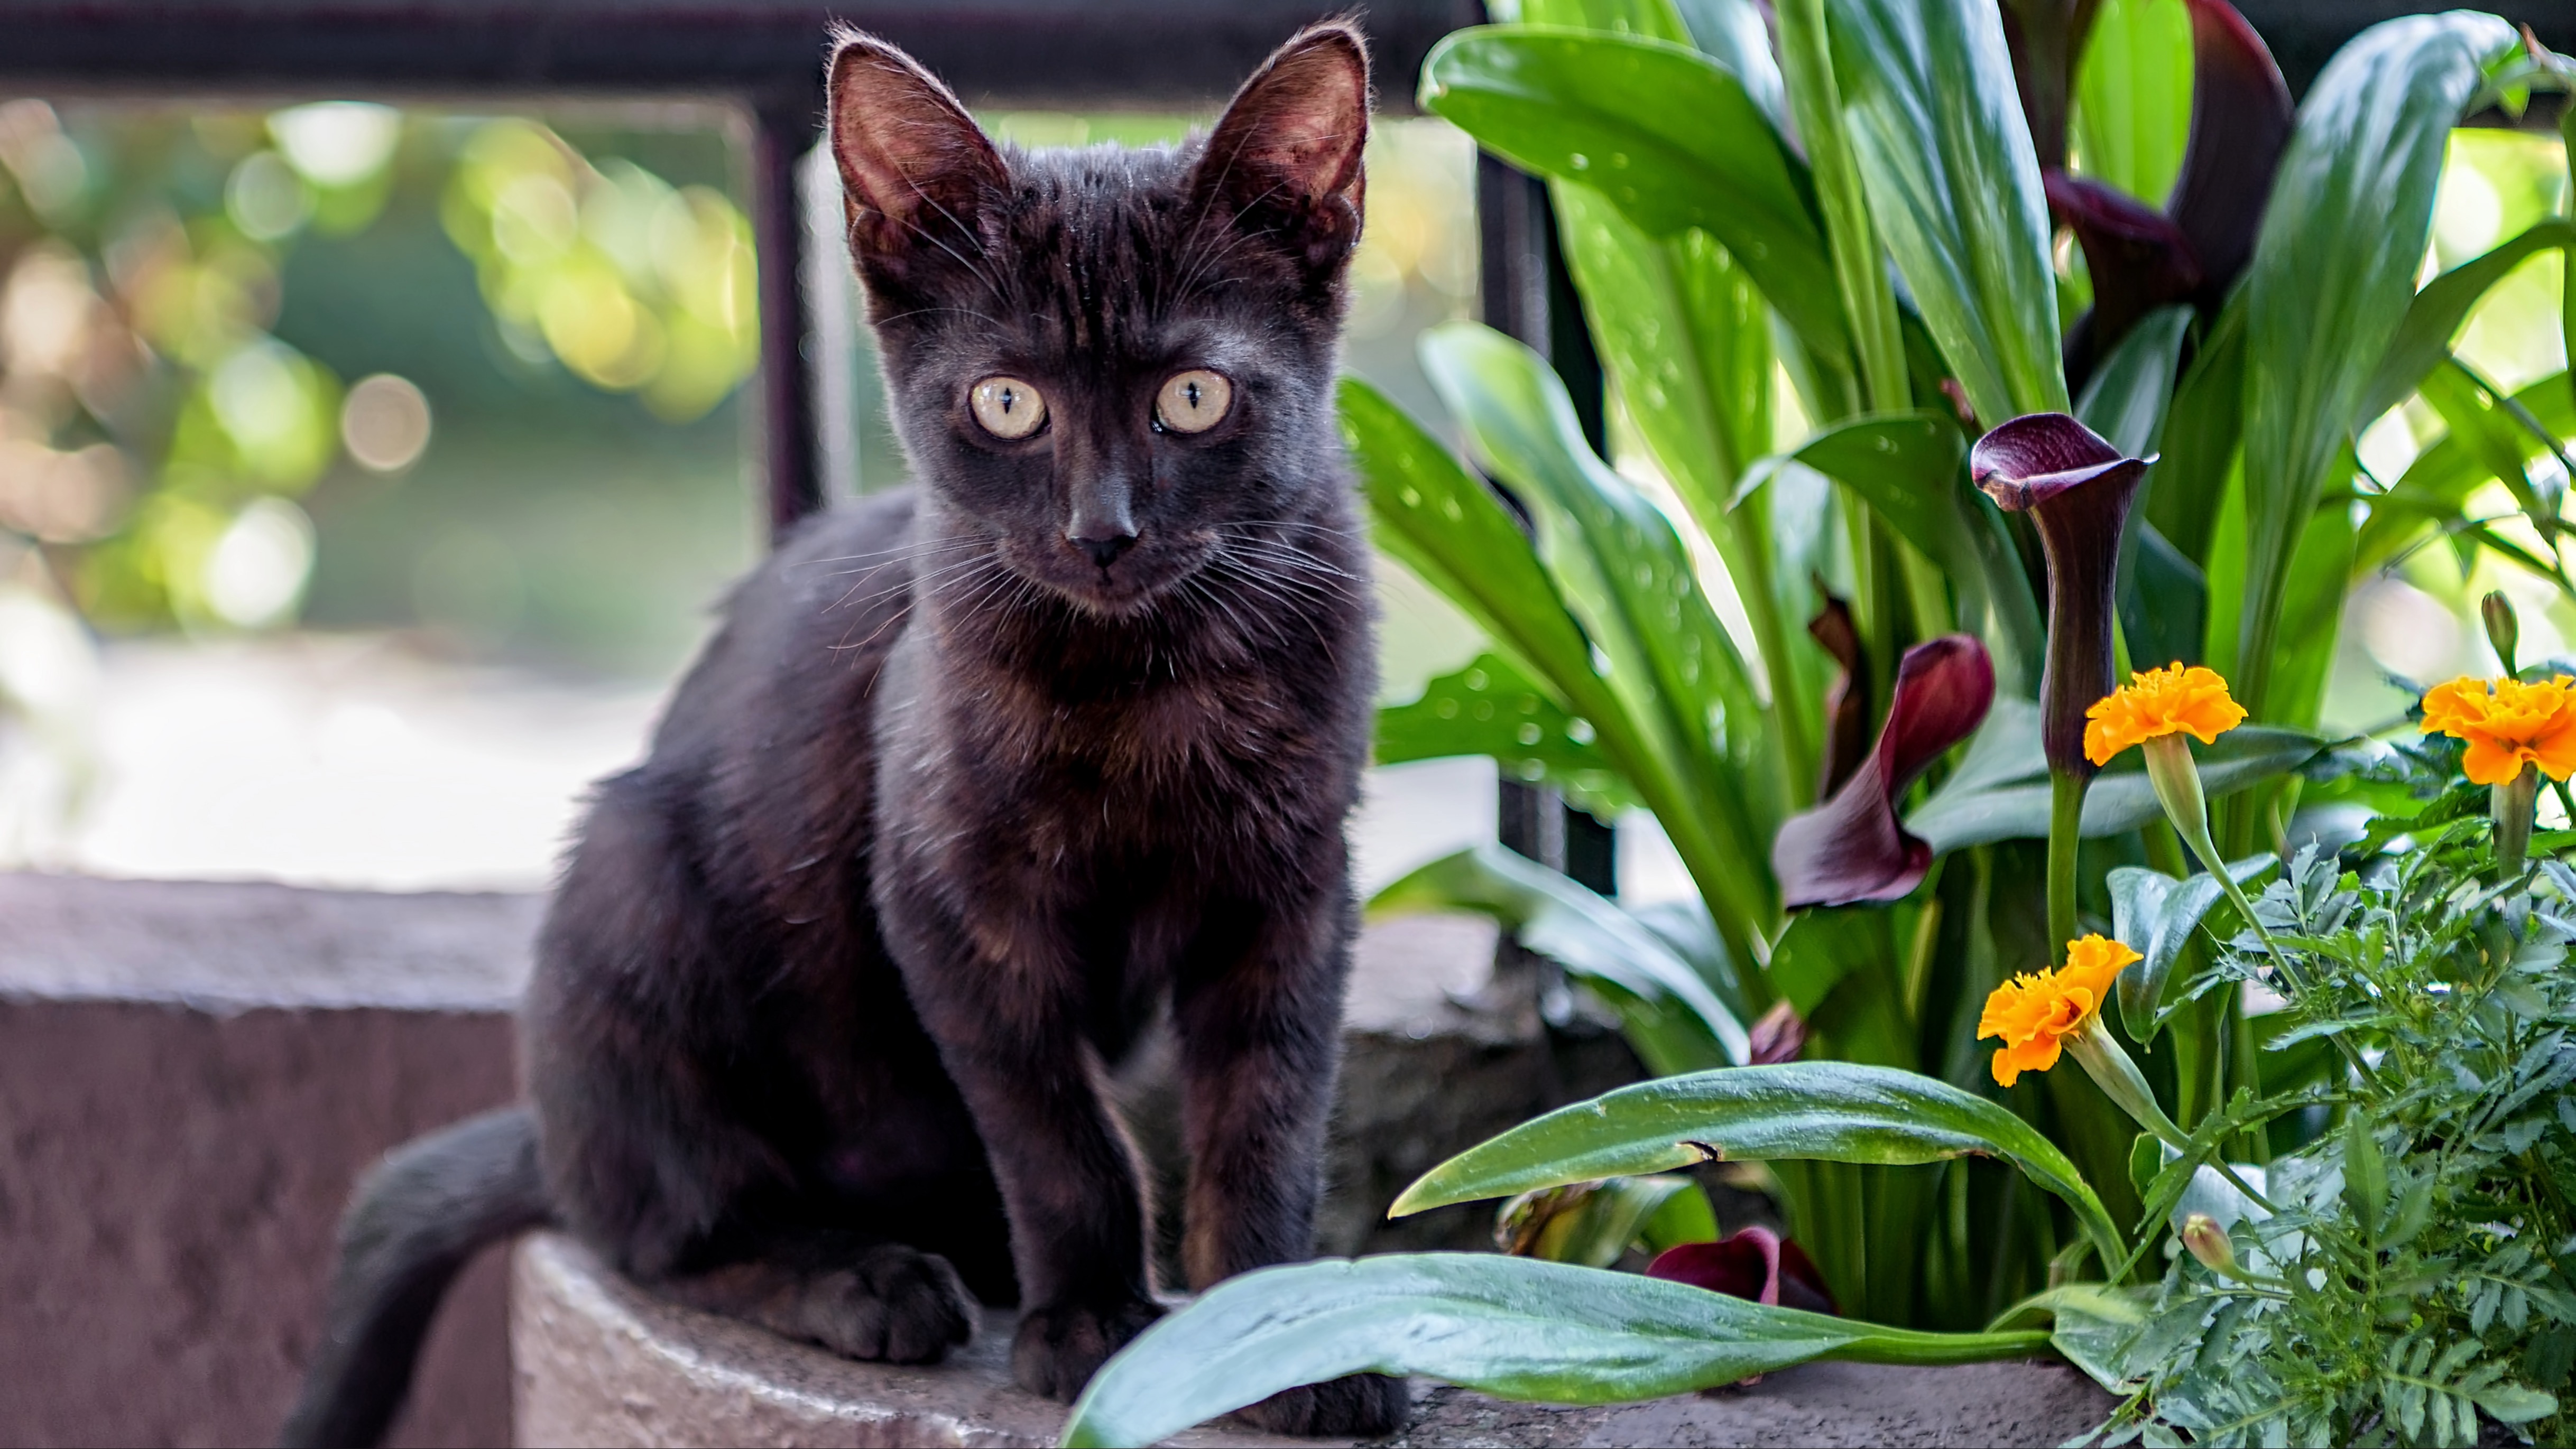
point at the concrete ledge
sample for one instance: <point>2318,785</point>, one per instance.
<point>598,1362</point>
<point>192,1075</point>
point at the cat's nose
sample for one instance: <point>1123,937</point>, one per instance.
<point>1103,551</point>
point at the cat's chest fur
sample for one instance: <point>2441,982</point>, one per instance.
<point>1071,769</point>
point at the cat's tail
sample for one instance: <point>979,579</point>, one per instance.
<point>414,1223</point>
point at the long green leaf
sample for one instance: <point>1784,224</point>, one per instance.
<point>1667,134</point>
<point>2000,790</point>
<point>1954,190</point>
<point>1491,708</point>
<point>1623,570</point>
<point>2126,400</point>
<point>2443,476</point>
<point>1905,466</point>
<point>1686,341</point>
<point>2133,97</point>
<point>1514,1327</point>
<point>1829,1111</point>
<point>1674,1020</point>
<point>2203,426</point>
<point>2437,312</point>
<point>2332,277</point>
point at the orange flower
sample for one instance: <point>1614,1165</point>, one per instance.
<point>2168,701</point>
<point>2035,1014</point>
<point>2508,724</point>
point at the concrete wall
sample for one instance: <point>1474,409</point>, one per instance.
<point>191,1076</point>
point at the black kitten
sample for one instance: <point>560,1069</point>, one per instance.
<point>974,782</point>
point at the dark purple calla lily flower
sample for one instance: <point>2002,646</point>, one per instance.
<point>1851,848</point>
<point>2141,258</point>
<point>2077,490</point>
<point>1754,1263</point>
<point>1846,699</point>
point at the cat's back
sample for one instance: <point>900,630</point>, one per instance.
<point>803,635</point>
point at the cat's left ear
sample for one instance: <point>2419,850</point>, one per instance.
<point>1286,156</point>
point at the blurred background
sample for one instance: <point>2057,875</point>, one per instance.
<point>367,474</point>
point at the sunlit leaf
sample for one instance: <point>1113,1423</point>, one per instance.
<point>2331,280</point>
<point>1671,1016</point>
<point>1828,1111</point>
<point>1667,134</point>
<point>1490,708</point>
<point>1513,1327</point>
<point>1954,190</point>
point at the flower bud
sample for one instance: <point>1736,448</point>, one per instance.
<point>2208,1242</point>
<point>2504,631</point>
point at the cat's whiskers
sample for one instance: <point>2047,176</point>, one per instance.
<point>909,581</point>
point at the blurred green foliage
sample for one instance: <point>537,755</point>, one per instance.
<point>225,337</point>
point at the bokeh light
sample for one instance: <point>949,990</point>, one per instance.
<point>384,423</point>
<point>632,284</point>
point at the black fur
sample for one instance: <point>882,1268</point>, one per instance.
<point>951,810</point>
<point>415,1221</point>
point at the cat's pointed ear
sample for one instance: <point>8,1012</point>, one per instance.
<point>1286,156</point>
<point>914,165</point>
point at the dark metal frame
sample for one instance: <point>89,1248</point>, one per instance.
<point>763,56</point>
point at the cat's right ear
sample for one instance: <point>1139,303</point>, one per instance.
<point>915,168</point>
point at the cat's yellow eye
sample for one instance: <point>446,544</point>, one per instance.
<point>1007,407</point>
<point>1193,401</point>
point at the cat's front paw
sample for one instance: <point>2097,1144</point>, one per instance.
<point>1060,1347</point>
<point>1363,1406</point>
<point>898,1305</point>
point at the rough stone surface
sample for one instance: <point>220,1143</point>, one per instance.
<point>190,1079</point>
<point>599,1362</point>
<point>192,1075</point>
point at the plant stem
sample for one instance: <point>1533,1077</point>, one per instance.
<point>2511,804</point>
<point>2065,824</point>
<point>1816,103</point>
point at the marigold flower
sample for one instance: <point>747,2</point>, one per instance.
<point>2034,1014</point>
<point>2176,699</point>
<point>2508,724</point>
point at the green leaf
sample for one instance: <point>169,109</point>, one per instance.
<point>1731,32</point>
<point>1954,190</point>
<point>1828,1111</point>
<point>1491,708</point>
<point>2434,487</point>
<point>1906,467</point>
<point>1654,19</point>
<point>2154,915</point>
<point>2094,1324</point>
<point>2133,98</point>
<point>2202,428</point>
<point>1619,564</point>
<point>1673,1019</point>
<point>2424,337</point>
<point>1669,136</point>
<point>2001,792</point>
<point>2514,1404</point>
<point>2331,280</point>
<point>1446,525</point>
<point>1685,1217</point>
<point>2164,601</point>
<point>1837,968</point>
<point>2126,400</point>
<point>1597,1230</point>
<point>1513,1327</point>
<point>1686,341</point>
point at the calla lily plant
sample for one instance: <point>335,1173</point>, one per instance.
<point>1998,489</point>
